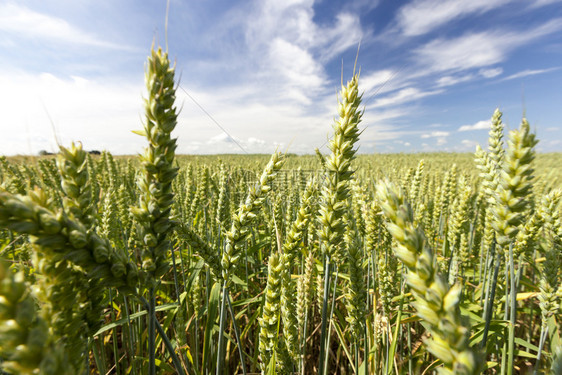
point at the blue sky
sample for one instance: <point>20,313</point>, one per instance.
<point>268,71</point>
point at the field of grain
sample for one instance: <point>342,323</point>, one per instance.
<point>238,264</point>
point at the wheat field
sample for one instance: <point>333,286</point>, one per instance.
<point>341,263</point>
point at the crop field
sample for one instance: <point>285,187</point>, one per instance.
<point>336,263</point>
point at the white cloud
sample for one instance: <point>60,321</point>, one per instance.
<point>256,141</point>
<point>478,50</point>
<point>253,116</point>
<point>422,16</point>
<point>23,22</point>
<point>436,134</point>
<point>405,95</point>
<point>469,51</point>
<point>552,129</point>
<point>540,3</point>
<point>530,72</point>
<point>490,73</point>
<point>484,124</point>
<point>453,80</point>
<point>380,115</point>
<point>100,114</point>
<point>440,137</point>
<point>291,47</point>
<point>223,142</point>
<point>302,74</point>
<point>346,33</point>
<point>222,138</point>
<point>377,79</point>
<point>377,132</point>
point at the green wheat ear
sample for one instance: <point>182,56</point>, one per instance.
<point>75,183</point>
<point>155,183</point>
<point>436,302</point>
<point>269,321</point>
<point>247,213</point>
<point>27,346</point>
<point>514,184</point>
<point>290,251</point>
<point>336,190</point>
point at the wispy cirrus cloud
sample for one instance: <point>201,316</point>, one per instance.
<point>530,72</point>
<point>450,80</point>
<point>541,3</point>
<point>453,80</point>
<point>374,81</point>
<point>469,51</point>
<point>422,16</point>
<point>20,21</point>
<point>478,50</point>
<point>403,96</point>
<point>443,63</point>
